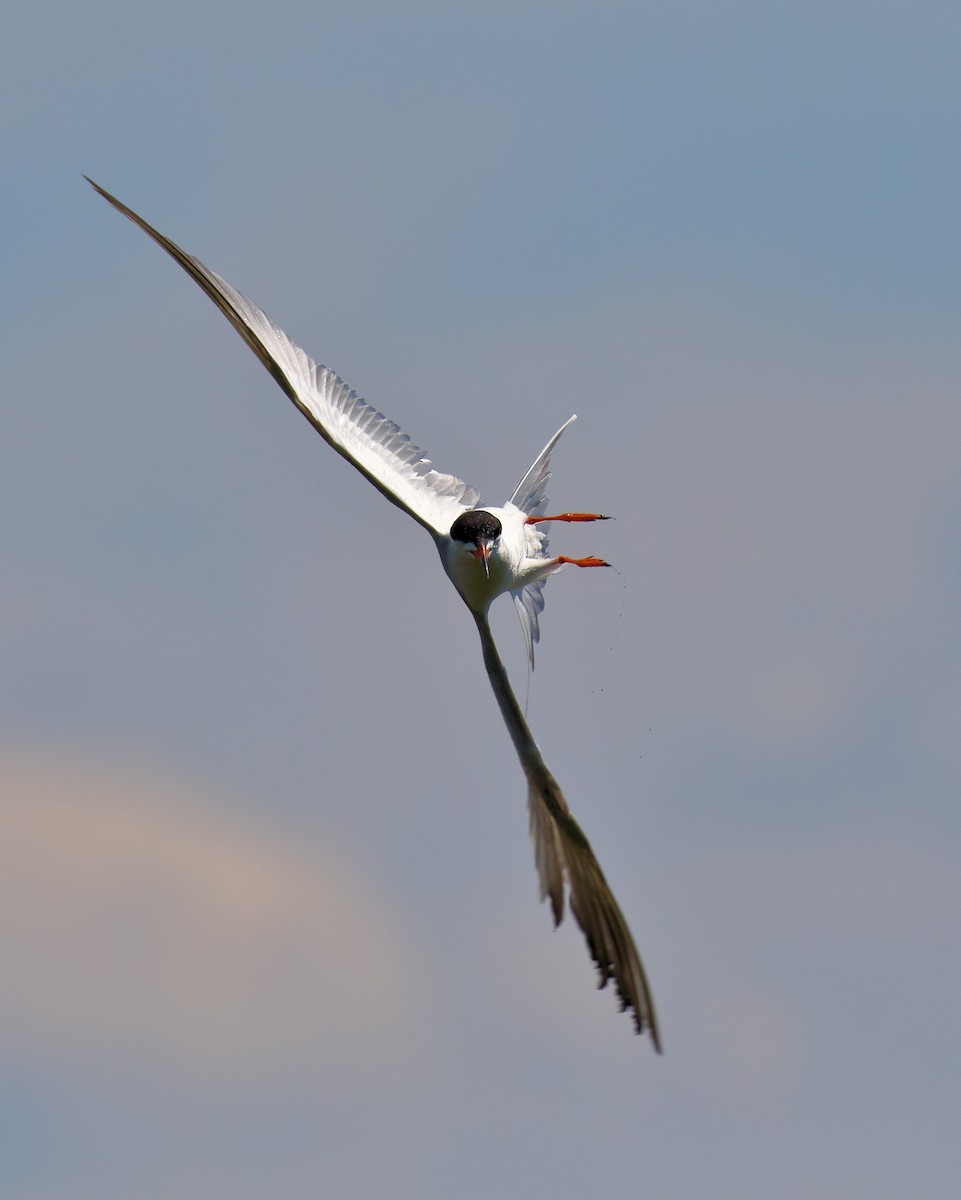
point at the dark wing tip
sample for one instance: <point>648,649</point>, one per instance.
<point>605,929</point>
<point>106,195</point>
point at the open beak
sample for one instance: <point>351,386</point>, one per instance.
<point>482,554</point>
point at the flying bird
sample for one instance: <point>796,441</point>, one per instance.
<point>486,552</point>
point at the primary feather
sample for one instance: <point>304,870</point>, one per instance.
<point>374,444</point>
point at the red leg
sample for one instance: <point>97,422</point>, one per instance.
<point>582,562</point>
<point>568,517</point>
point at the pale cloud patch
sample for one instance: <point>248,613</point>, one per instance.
<point>143,924</point>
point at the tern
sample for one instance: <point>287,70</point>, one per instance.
<point>486,551</point>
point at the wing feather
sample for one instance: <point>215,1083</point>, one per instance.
<point>371,442</point>
<point>565,859</point>
<point>530,496</point>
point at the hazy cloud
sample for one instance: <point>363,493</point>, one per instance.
<point>142,923</point>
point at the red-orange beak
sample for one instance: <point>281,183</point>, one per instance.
<point>482,554</point>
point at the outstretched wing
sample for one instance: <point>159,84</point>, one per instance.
<point>565,860</point>
<point>365,437</point>
<point>530,496</point>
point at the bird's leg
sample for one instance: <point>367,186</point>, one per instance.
<point>568,517</point>
<point>581,562</point>
<point>577,562</point>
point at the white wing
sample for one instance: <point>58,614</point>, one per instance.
<point>565,859</point>
<point>364,436</point>
<point>530,496</point>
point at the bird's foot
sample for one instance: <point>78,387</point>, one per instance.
<point>568,517</point>
<point>582,562</point>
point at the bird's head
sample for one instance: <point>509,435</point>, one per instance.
<point>476,530</point>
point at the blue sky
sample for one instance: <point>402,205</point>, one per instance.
<point>269,916</point>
